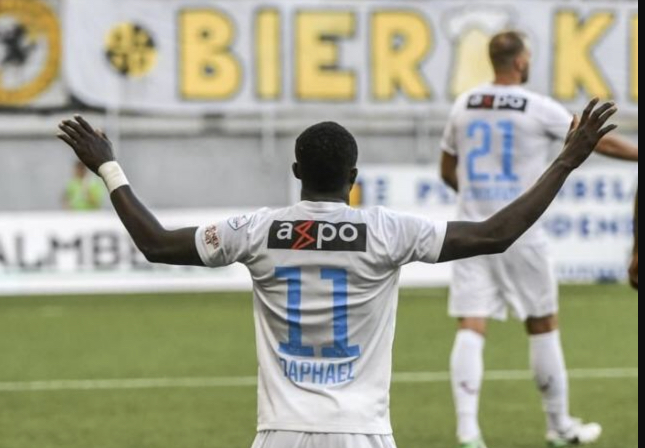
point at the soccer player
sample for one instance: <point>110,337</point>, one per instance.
<point>495,146</point>
<point>325,277</point>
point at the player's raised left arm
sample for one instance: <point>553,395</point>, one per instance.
<point>618,148</point>
<point>158,244</point>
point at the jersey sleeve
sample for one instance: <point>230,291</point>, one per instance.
<point>410,238</point>
<point>224,243</point>
<point>556,119</point>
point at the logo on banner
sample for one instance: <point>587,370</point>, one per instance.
<point>131,50</point>
<point>30,50</point>
<point>318,235</point>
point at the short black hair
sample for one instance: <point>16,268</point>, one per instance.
<point>505,47</point>
<point>326,154</point>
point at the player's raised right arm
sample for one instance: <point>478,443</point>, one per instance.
<point>159,245</point>
<point>497,234</point>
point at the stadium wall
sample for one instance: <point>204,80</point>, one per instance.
<point>237,152</point>
<point>183,171</point>
<point>183,156</point>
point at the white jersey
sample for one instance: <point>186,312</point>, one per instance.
<point>325,282</point>
<point>502,136</point>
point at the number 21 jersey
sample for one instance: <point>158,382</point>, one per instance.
<point>502,137</point>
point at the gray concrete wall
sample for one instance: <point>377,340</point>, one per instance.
<point>190,171</point>
<point>176,172</point>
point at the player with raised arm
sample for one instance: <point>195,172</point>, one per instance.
<point>495,146</point>
<point>325,277</point>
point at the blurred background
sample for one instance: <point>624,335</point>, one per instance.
<point>203,101</point>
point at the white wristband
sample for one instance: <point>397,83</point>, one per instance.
<point>113,176</point>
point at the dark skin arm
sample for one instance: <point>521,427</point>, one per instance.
<point>159,245</point>
<point>497,234</point>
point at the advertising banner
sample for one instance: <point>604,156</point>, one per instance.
<point>590,225</point>
<point>379,56</point>
<point>590,228</point>
<point>49,253</point>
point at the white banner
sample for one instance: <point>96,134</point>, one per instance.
<point>590,224</point>
<point>65,253</point>
<point>31,54</point>
<point>50,253</point>
<point>217,56</point>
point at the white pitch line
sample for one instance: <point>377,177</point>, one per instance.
<point>249,381</point>
<point>516,375</point>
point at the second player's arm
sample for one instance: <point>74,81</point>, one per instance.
<point>497,234</point>
<point>449,175</point>
<point>617,147</point>
<point>158,244</point>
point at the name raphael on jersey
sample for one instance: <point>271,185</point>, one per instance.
<point>318,372</point>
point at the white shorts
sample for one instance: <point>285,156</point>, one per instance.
<point>522,279</point>
<point>284,439</point>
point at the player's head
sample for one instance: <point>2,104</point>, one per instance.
<point>326,156</point>
<point>510,54</point>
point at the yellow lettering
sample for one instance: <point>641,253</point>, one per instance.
<point>209,71</point>
<point>318,75</point>
<point>268,46</point>
<point>400,43</point>
<point>575,68</point>
<point>634,61</point>
<point>472,66</point>
<point>356,196</point>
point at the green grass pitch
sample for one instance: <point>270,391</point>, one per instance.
<point>211,336</point>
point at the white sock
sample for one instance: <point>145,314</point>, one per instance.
<point>550,370</point>
<point>467,369</point>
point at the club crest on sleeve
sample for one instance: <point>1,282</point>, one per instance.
<point>212,237</point>
<point>239,222</point>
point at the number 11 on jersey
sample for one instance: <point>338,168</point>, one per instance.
<point>341,348</point>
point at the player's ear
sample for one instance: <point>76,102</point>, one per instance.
<point>353,175</point>
<point>296,171</point>
<point>519,63</point>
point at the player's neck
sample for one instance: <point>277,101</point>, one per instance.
<point>311,196</point>
<point>508,79</point>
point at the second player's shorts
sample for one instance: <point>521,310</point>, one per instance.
<point>523,279</point>
<point>280,439</point>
